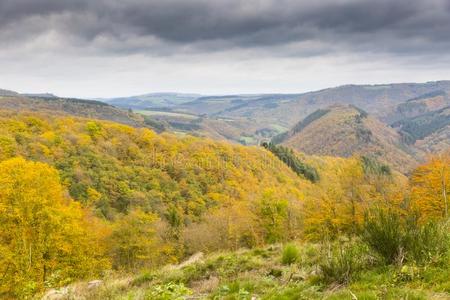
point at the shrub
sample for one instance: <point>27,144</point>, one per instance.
<point>382,231</point>
<point>372,166</point>
<point>398,239</point>
<point>169,291</point>
<point>143,278</point>
<point>290,254</point>
<point>427,243</point>
<point>407,273</point>
<point>342,262</point>
<point>235,290</point>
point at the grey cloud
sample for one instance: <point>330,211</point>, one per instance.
<point>401,26</point>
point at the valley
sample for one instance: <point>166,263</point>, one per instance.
<point>198,198</point>
<point>394,111</point>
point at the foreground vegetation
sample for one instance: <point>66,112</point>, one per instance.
<point>81,198</point>
<point>343,269</point>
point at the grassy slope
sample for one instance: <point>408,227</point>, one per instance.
<point>156,100</point>
<point>259,274</point>
<point>239,130</point>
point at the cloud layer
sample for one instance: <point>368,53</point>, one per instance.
<point>414,30</point>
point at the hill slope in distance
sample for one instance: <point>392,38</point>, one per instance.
<point>345,130</point>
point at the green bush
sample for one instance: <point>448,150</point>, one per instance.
<point>143,278</point>
<point>428,243</point>
<point>342,262</point>
<point>169,291</point>
<point>372,166</point>
<point>382,231</point>
<point>290,254</point>
<point>398,240</point>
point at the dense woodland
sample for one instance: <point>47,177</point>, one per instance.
<point>79,197</point>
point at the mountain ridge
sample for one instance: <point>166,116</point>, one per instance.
<point>274,113</point>
<point>345,130</point>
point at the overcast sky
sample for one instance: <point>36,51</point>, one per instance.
<point>106,48</point>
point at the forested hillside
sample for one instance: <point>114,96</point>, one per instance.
<point>250,119</point>
<point>424,125</point>
<point>131,199</point>
<point>286,109</point>
<point>420,105</point>
<point>76,107</point>
<point>133,180</point>
<point>347,130</point>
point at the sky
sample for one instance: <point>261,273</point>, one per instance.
<point>112,48</point>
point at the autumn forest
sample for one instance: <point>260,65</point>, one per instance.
<point>83,197</point>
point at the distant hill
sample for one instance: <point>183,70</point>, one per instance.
<point>228,104</point>
<point>420,105</point>
<point>424,121</point>
<point>438,141</point>
<point>252,118</point>
<point>154,100</point>
<point>269,114</point>
<point>287,109</point>
<point>76,107</point>
<point>238,130</point>
<point>40,95</point>
<point>430,131</point>
<point>345,130</point>
<point>7,93</point>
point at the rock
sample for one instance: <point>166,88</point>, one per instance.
<point>55,294</point>
<point>298,277</point>
<point>94,284</point>
<point>205,285</point>
<point>192,260</point>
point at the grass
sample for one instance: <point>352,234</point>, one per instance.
<point>247,140</point>
<point>276,273</point>
<point>165,113</point>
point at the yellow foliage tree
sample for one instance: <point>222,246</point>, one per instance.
<point>44,240</point>
<point>230,227</point>
<point>136,243</point>
<point>430,187</point>
<point>347,189</point>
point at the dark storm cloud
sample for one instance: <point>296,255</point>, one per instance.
<point>402,26</point>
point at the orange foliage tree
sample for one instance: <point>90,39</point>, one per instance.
<point>430,187</point>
